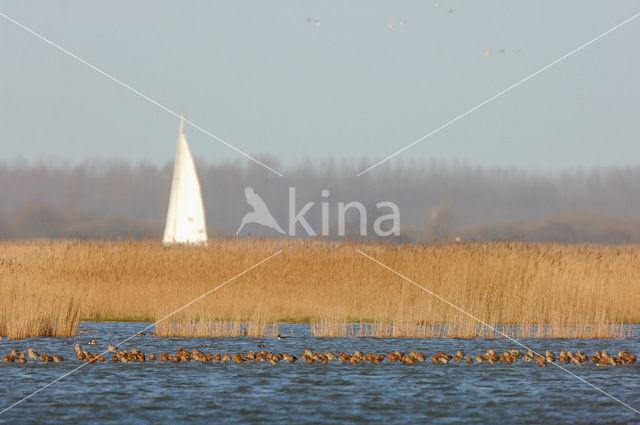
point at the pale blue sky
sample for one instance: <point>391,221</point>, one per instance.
<point>261,77</point>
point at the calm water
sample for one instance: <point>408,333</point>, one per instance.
<point>336,393</point>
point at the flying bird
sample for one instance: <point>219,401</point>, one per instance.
<point>260,213</point>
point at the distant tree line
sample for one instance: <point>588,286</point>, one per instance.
<point>438,200</point>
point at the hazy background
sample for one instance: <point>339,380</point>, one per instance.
<point>437,200</point>
<point>299,83</point>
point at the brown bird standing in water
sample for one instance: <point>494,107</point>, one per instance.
<point>529,356</point>
<point>32,354</point>
<point>542,362</point>
<point>550,356</point>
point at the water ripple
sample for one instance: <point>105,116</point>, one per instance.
<point>362,393</point>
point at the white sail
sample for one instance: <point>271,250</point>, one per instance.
<point>185,217</point>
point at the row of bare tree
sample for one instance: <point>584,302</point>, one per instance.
<point>437,200</point>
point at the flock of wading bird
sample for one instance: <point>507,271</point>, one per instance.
<point>490,356</point>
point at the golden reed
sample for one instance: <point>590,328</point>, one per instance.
<point>530,290</point>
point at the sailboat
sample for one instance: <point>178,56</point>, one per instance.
<point>185,217</point>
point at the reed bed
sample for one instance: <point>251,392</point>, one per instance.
<point>527,290</point>
<point>24,315</point>
<point>216,329</point>
<point>335,329</point>
<point>206,324</point>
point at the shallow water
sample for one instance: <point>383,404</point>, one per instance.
<point>364,393</point>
